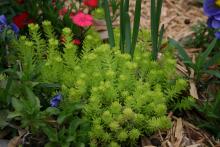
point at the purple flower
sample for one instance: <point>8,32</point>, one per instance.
<point>15,28</point>
<point>3,20</point>
<point>212,10</point>
<point>213,22</point>
<point>217,34</point>
<point>4,24</point>
<point>54,102</point>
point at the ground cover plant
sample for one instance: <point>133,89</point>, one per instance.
<point>62,85</point>
<point>121,91</point>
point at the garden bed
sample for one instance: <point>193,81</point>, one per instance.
<point>90,74</point>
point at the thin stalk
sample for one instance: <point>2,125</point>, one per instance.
<point>109,24</point>
<point>122,31</point>
<point>153,30</point>
<point>127,34</point>
<point>136,25</point>
<point>156,37</point>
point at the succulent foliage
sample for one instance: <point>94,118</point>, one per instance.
<point>123,98</point>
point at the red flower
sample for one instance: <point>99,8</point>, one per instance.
<point>22,20</point>
<point>82,20</point>
<point>72,14</point>
<point>63,11</point>
<point>76,41</point>
<point>91,3</point>
<point>20,1</point>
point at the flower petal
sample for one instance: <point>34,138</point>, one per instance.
<point>215,24</point>
<point>217,35</point>
<point>54,102</point>
<point>209,22</point>
<point>210,8</point>
<point>217,17</point>
<point>3,20</point>
<point>14,28</point>
<point>82,20</point>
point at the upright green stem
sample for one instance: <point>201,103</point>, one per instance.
<point>156,37</point>
<point>109,24</point>
<point>136,25</point>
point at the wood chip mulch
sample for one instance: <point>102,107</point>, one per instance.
<point>182,134</point>
<point>178,16</point>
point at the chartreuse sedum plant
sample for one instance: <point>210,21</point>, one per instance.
<point>122,98</point>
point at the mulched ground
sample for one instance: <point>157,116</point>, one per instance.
<point>178,16</point>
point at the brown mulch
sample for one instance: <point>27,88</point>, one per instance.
<point>178,16</point>
<point>182,134</point>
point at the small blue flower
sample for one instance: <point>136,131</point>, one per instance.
<point>217,35</point>
<point>54,102</point>
<point>4,24</point>
<point>3,20</point>
<point>212,10</point>
<point>213,22</point>
<point>15,28</point>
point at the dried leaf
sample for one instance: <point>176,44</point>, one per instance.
<point>178,132</point>
<point>14,142</point>
<point>193,89</point>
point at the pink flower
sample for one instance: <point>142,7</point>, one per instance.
<point>76,41</point>
<point>63,11</point>
<point>82,20</point>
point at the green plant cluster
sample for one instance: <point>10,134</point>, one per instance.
<point>211,115</point>
<point>202,37</point>
<point>120,97</point>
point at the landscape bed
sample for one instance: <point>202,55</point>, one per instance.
<point>88,73</point>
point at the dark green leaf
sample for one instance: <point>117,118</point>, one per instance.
<point>74,125</point>
<point>200,61</point>
<point>51,133</point>
<point>160,37</point>
<point>214,73</point>
<point>136,25</point>
<point>68,112</point>
<point>127,34</point>
<point>182,53</point>
<point>122,26</point>
<point>18,106</point>
<point>13,115</point>
<point>52,111</point>
<point>214,60</point>
<point>109,24</point>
